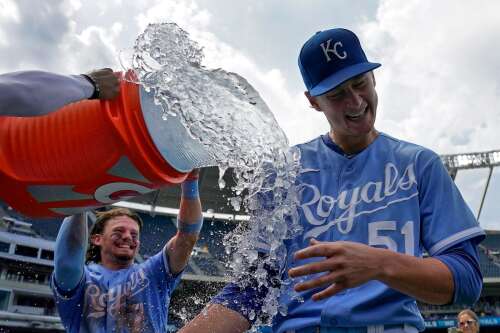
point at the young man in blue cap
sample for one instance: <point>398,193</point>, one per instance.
<point>370,206</point>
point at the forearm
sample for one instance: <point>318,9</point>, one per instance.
<point>217,318</point>
<point>189,223</point>
<point>32,93</point>
<point>69,254</point>
<point>179,250</point>
<point>426,279</point>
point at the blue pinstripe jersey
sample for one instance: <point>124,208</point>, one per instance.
<point>393,195</point>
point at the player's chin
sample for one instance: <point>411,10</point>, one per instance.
<point>125,256</point>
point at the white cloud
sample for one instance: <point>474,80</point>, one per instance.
<point>8,11</point>
<point>439,83</point>
<point>185,13</point>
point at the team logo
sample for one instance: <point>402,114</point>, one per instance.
<point>104,191</point>
<point>335,49</point>
<point>380,194</point>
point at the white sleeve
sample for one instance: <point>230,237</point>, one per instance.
<point>35,93</point>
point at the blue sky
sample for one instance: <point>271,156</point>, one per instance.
<point>439,84</point>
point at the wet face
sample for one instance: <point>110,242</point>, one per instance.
<point>467,324</point>
<point>119,242</point>
<point>350,110</point>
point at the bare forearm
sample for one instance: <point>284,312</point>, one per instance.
<point>190,210</point>
<point>426,279</point>
<point>217,319</point>
<point>179,250</point>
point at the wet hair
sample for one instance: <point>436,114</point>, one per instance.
<point>94,251</point>
<point>471,314</point>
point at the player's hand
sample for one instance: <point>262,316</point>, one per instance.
<point>345,265</point>
<point>106,81</point>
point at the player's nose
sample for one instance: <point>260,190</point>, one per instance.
<point>353,97</point>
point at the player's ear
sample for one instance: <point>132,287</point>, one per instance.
<point>96,239</point>
<point>312,101</point>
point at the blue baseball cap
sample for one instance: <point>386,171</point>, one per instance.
<point>331,57</point>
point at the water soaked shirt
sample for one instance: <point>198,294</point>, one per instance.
<point>132,300</point>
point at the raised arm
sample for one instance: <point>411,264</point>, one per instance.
<point>70,248</point>
<point>189,223</point>
<point>36,93</point>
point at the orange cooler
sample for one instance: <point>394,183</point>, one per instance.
<point>93,153</point>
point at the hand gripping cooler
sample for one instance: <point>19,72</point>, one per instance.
<point>93,153</point>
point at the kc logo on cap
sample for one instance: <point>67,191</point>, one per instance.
<point>331,57</point>
<point>327,49</point>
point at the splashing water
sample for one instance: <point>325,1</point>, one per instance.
<point>228,117</point>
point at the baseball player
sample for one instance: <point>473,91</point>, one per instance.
<point>371,206</point>
<point>97,286</point>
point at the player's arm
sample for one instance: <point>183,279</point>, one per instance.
<point>458,266</point>
<point>348,264</point>
<point>69,253</point>
<point>408,274</point>
<point>216,318</point>
<point>229,311</point>
<point>35,93</point>
<point>189,224</point>
<point>238,304</point>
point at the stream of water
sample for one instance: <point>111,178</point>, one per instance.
<point>229,118</point>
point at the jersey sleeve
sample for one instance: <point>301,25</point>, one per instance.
<point>69,254</point>
<point>158,270</point>
<point>463,261</point>
<point>246,296</point>
<point>246,301</point>
<point>445,217</point>
<point>69,303</point>
<point>35,93</point>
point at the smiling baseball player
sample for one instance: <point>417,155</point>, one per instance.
<point>371,206</point>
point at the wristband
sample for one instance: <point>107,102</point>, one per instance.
<point>190,189</point>
<point>190,228</point>
<point>95,94</point>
